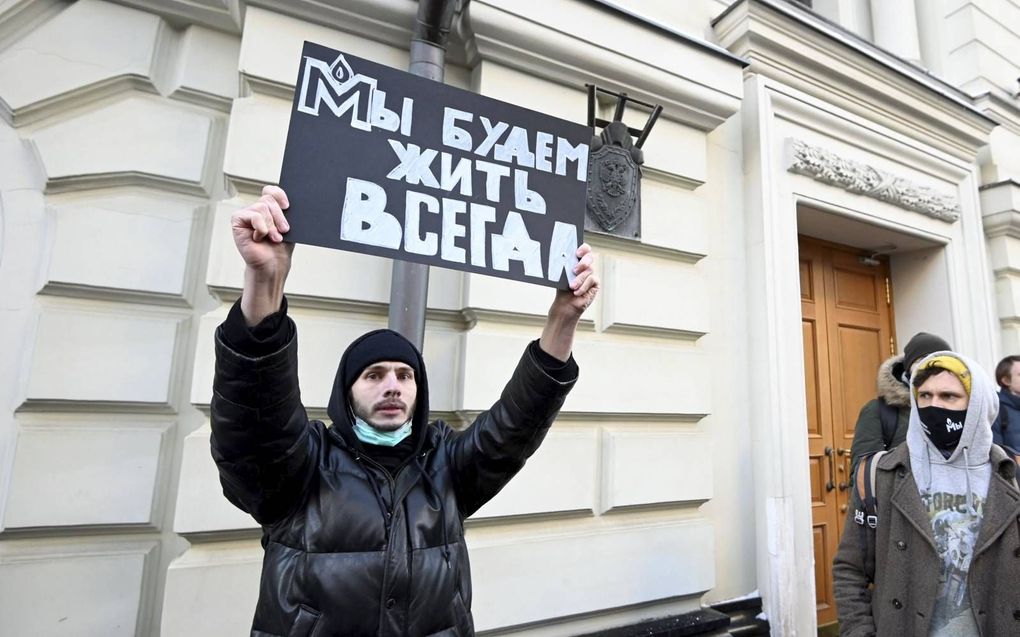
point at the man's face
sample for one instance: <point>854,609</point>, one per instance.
<point>942,390</point>
<point>1012,382</point>
<point>384,394</point>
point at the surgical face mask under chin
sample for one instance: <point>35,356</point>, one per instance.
<point>943,426</point>
<point>369,435</point>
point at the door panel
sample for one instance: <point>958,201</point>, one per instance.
<point>847,329</point>
<point>860,354</point>
<point>811,378</point>
<point>854,290</point>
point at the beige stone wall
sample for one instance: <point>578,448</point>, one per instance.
<point>131,129</point>
<point>975,45</point>
<point>615,478</point>
<point>111,146</point>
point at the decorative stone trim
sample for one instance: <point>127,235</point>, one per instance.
<point>856,177</point>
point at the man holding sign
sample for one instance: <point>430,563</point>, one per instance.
<point>363,520</point>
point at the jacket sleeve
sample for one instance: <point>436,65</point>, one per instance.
<point>867,433</point>
<point>850,582</point>
<point>493,449</point>
<point>261,439</point>
<point>997,427</point>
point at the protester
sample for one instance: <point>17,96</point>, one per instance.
<point>930,544</point>
<point>1006,429</point>
<point>363,521</point>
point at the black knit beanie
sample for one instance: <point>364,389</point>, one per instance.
<point>920,346</point>
<point>380,345</point>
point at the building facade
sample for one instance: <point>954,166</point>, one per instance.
<point>826,179</point>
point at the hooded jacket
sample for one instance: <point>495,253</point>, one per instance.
<point>947,537</point>
<point>1006,430</point>
<point>349,548</point>
<point>868,434</point>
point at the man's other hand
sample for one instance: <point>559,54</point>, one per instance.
<point>566,309</point>
<point>584,288</point>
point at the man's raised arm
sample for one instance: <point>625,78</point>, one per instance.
<point>494,448</point>
<point>564,314</point>
<point>261,441</point>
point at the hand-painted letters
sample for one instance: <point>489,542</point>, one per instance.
<point>429,173</point>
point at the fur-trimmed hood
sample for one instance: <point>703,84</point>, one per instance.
<point>890,388</point>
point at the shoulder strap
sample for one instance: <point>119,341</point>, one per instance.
<point>867,518</point>
<point>867,472</point>
<point>889,415</point>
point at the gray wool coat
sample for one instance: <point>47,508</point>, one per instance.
<point>907,567</point>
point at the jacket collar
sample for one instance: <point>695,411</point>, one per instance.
<point>905,497</point>
<point>1002,507</point>
<point>1007,397</point>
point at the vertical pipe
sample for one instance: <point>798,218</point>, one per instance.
<point>591,106</point>
<point>409,282</point>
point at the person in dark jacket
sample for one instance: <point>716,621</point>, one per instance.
<point>893,400</point>
<point>1006,429</point>
<point>363,521</point>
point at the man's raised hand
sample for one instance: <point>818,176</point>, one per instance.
<point>583,289</point>
<point>258,234</point>
<point>558,334</point>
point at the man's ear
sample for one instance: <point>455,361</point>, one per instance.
<point>350,406</point>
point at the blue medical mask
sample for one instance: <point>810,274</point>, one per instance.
<point>369,435</point>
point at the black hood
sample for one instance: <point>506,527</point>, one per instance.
<point>340,411</point>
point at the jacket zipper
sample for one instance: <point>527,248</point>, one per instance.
<point>389,480</point>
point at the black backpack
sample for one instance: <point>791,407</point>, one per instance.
<point>889,415</point>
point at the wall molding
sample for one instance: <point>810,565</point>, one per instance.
<point>223,15</point>
<point>1000,206</point>
<point>563,52</point>
<point>860,178</point>
<point>798,48</point>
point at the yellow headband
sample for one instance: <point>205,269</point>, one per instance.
<point>950,364</point>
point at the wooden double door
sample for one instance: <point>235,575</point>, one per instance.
<point>846,308</point>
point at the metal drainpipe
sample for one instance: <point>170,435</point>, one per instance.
<point>409,282</point>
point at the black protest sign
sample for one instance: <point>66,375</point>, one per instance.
<point>382,162</point>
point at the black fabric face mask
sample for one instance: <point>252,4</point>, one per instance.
<point>943,426</point>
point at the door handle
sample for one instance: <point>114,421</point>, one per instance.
<point>844,468</point>
<point>830,485</point>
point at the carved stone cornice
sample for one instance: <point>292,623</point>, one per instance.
<point>859,178</point>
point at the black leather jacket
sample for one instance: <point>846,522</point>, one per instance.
<point>350,550</point>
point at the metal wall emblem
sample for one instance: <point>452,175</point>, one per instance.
<point>613,180</point>
<point>614,169</point>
